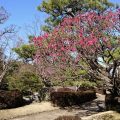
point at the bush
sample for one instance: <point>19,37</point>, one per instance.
<point>26,82</point>
<point>22,76</point>
<point>68,118</point>
<point>85,83</point>
<point>64,89</point>
<point>68,98</point>
<point>81,83</point>
<point>10,99</point>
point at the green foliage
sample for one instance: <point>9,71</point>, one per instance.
<point>58,9</point>
<point>114,53</point>
<point>46,28</point>
<point>81,83</point>
<point>27,81</point>
<point>85,83</point>
<point>74,77</point>
<point>26,52</point>
<point>13,67</point>
<point>30,37</point>
<point>23,78</point>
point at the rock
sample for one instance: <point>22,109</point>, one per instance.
<point>10,99</point>
<point>36,96</point>
<point>111,102</point>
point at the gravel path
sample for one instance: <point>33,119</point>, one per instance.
<point>86,109</point>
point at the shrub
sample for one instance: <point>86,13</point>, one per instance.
<point>68,118</point>
<point>68,98</point>
<point>64,89</point>
<point>22,76</point>
<point>26,82</point>
<point>85,83</point>
<point>10,99</point>
<point>81,83</point>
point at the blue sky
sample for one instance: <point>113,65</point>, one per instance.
<point>23,12</point>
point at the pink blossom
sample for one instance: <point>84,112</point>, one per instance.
<point>73,49</point>
<point>82,32</point>
<point>81,42</point>
<point>91,42</point>
<point>62,48</point>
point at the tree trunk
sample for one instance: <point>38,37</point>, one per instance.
<point>111,97</point>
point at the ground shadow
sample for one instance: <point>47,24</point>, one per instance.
<point>88,108</point>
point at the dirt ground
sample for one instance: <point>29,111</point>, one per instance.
<point>45,111</point>
<point>54,114</point>
<point>26,110</point>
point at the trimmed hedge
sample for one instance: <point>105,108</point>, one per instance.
<point>64,89</point>
<point>68,98</point>
<point>10,99</point>
<point>68,118</point>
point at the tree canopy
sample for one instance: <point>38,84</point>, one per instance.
<point>81,42</point>
<point>58,9</point>
<point>26,52</point>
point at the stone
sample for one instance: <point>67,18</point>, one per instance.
<point>10,99</point>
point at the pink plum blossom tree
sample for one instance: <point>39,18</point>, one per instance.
<point>88,41</point>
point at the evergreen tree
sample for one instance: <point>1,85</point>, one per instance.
<point>58,9</point>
